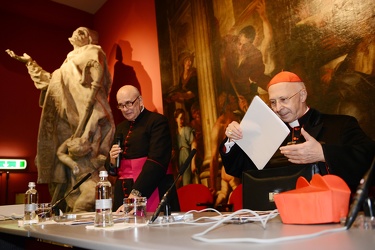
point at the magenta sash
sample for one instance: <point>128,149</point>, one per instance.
<point>130,169</point>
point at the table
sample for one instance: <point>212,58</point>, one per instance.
<point>180,236</point>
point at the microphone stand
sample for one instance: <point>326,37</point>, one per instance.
<point>165,196</point>
<point>359,198</point>
<point>74,188</point>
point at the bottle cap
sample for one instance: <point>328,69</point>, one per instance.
<point>103,174</point>
<point>31,184</point>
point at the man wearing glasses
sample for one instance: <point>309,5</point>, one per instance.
<point>334,143</point>
<point>145,153</point>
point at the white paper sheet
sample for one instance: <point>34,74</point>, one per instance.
<point>263,132</point>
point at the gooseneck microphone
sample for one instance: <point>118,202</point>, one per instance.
<point>74,188</point>
<point>165,196</point>
<point>360,195</point>
<point>120,143</point>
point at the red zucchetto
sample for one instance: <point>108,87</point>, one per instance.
<point>284,76</point>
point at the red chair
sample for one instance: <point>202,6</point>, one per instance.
<point>194,197</point>
<point>236,198</point>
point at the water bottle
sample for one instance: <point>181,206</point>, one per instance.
<point>103,203</point>
<point>31,203</point>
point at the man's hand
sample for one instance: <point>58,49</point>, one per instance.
<point>114,153</point>
<point>233,131</point>
<point>121,208</point>
<point>308,152</point>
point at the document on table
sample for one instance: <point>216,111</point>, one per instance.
<point>263,132</point>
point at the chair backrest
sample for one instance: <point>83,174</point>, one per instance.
<point>236,198</point>
<point>194,197</point>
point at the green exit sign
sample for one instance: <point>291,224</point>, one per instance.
<point>12,164</point>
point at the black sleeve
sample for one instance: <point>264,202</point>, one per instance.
<point>235,161</point>
<point>351,156</point>
<point>158,158</point>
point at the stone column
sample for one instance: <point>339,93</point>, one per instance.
<point>205,71</point>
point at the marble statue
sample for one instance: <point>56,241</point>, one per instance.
<point>76,126</point>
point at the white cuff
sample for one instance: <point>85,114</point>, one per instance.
<point>228,144</point>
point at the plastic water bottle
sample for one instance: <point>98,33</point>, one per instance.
<point>103,203</point>
<point>31,203</point>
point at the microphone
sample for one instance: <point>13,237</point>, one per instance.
<point>359,197</point>
<point>120,141</point>
<point>74,188</point>
<point>187,162</point>
<point>165,196</point>
<point>81,181</point>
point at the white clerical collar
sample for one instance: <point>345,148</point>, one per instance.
<point>296,122</point>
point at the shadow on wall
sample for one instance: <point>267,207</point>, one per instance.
<point>129,72</point>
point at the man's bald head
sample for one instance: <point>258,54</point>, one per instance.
<point>127,90</point>
<point>130,102</point>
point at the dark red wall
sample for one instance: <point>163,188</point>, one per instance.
<point>40,29</point>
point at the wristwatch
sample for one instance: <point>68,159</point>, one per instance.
<point>136,193</point>
<point>112,170</point>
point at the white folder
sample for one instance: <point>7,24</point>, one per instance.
<point>263,132</point>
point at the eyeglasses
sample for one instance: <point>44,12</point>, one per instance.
<point>127,104</point>
<point>283,100</point>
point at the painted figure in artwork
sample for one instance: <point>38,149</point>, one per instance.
<point>247,61</point>
<point>185,142</point>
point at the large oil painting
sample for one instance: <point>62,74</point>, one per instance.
<point>216,55</point>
